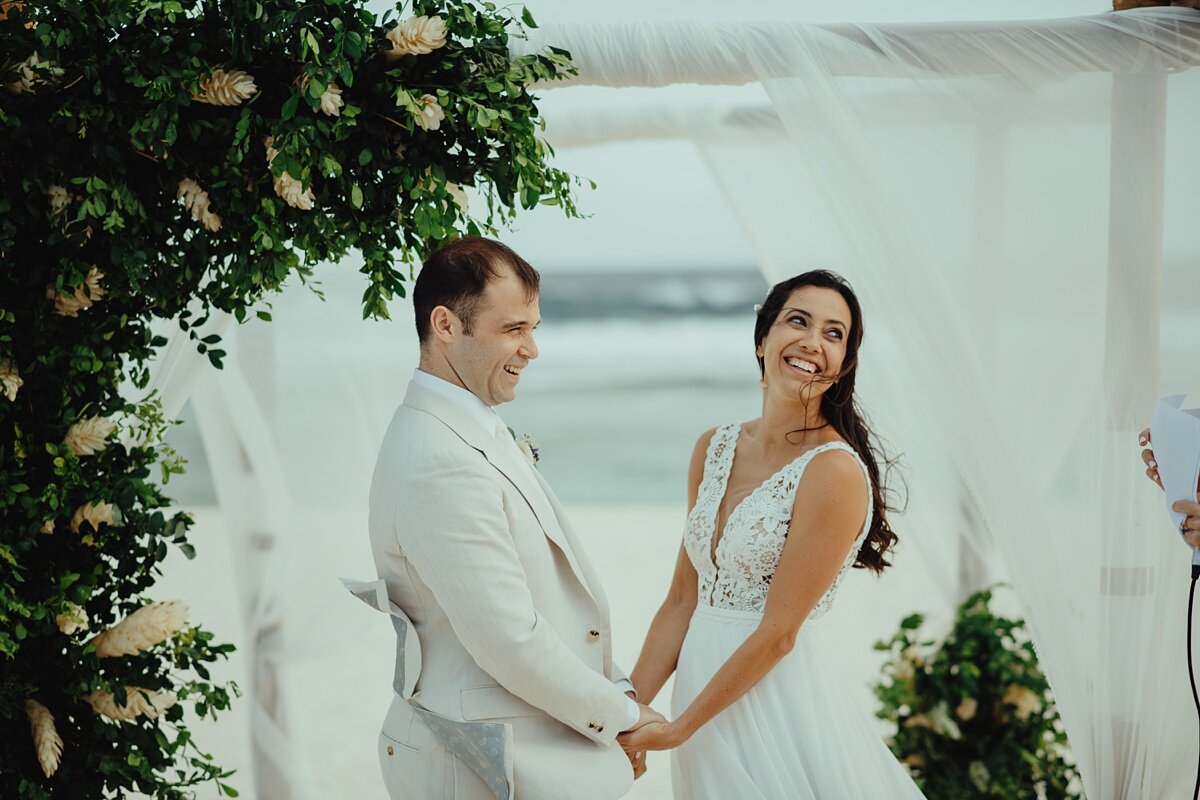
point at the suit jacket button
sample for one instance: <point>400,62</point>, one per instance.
<point>391,752</point>
<point>599,729</point>
<point>593,635</point>
<point>592,725</point>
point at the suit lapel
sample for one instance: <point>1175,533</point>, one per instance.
<point>508,460</point>
<point>584,569</point>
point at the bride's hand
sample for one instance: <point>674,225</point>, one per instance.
<point>652,736</point>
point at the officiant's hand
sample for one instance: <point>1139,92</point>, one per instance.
<point>1148,458</point>
<point>1191,525</point>
<point>1190,528</point>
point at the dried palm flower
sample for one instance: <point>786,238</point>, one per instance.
<point>138,702</point>
<point>46,740</point>
<point>141,630</point>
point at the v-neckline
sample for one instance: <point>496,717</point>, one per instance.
<point>717,534</point>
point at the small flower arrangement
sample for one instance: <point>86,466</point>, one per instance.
<point>973,712</point>
<point>531,451</point>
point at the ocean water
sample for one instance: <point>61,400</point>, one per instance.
<point>632,369</point>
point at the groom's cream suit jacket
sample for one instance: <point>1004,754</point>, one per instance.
<point>515,695</point>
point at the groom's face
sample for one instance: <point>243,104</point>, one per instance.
<point>490,360</point>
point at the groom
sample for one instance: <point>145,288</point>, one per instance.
<point>504,676</point>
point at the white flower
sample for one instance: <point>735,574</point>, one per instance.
<point>85,295</point>
<point>10,380</point>
<point>460,197</point>
<point>141,630</point>
<point>453,189</point>
<point>331,100</point>
<point>416,36</point>
<point>95,514</point>
<point>967,708</point>
<point>429,114</point>
<point>903,671</point>
<point>47,527</point>
<point>1024,699</point>
<point>221,88</point>
<point>60,198</point>
<point>76,619</point>
<point>943,722</point>
<point>46,741</point>
<point>937,720</point>
<point>33,72</point>
<point>88,436</point>
<point>287,187</point>
<point>196,201</point>
<point>137,702</point>
<point>979,775</point>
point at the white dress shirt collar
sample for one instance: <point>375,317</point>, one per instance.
<point>466,400</point>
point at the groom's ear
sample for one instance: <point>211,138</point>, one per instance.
<point>444,324</point>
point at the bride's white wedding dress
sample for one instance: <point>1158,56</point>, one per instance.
<point>798,734</point>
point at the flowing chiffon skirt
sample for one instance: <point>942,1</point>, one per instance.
<point>798,734</point>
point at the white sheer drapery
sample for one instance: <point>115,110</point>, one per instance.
<point>1001,194</point>
<point>1004,196</point>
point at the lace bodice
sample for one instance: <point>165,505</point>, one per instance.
<point>749,549</point>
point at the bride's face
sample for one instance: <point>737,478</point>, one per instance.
<point>805,347</point>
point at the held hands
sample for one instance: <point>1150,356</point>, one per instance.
<point>1191,525</point>
<point>653,732</point>
<point>637,756</point>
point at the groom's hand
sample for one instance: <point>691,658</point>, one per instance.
<point>637,758</point>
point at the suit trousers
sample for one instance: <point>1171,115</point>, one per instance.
<point>408,753</point>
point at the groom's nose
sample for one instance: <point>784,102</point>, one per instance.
<point>529,349</point>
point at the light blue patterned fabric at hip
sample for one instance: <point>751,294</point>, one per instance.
<point>485,747</point>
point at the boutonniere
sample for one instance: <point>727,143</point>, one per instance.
<point>526,446</point>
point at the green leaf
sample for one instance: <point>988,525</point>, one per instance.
<point>527,18</point>
<point>356,196</point>
<point>289,107</point>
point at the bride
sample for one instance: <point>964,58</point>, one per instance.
<point>781,507</point>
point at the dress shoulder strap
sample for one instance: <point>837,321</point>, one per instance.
<point>720,449</point>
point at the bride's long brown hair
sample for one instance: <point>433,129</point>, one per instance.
<point>840,408</point>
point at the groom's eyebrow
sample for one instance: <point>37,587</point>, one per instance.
<point>801,311</point>
<point>520,323</point>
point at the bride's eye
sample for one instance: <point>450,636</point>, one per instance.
<point>836,334</point>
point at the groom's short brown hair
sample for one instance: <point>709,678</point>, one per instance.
<point>457,274</point>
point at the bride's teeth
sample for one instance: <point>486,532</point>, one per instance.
<point>804,365</point>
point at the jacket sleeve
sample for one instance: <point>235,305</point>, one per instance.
<point>450,522</point>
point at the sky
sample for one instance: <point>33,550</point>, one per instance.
<point>655,205</point>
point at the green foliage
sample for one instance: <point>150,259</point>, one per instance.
<point>974,715</point>
<point>98,132</point>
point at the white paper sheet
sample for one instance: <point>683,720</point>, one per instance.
<point>1175,439</point>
